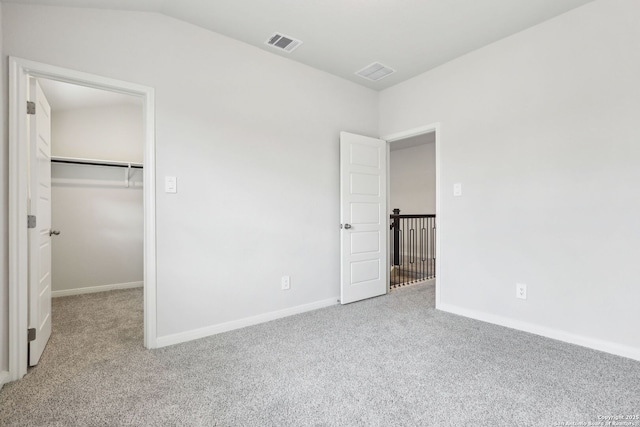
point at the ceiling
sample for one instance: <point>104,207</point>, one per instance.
<point>343,36</point>
<point>65,96</point>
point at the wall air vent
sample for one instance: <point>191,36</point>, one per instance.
<point>375,71</point>
<point>282,42</point>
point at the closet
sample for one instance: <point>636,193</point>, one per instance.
<point>96,189</point>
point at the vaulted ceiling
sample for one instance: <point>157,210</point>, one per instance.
<point>343,36</point>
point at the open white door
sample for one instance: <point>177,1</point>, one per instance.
<point>40,236</point>
<point>363,217</point>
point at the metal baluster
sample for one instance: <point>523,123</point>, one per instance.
<point>426,255</point>
<point>429,255</point>
<point>413,249</point>
<point>412,238</point>
<point>401,245</point>
<point>421,223</point>
<point>433,252</point>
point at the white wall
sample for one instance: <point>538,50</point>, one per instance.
<point>253,140</point>
<point>100,219</point>
<point>111,132</point>
<point>542,131</point>
<point>412,179</point>
<point>4,211</point>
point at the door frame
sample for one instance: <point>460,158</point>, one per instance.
<point>20,70</point>
<point>421,130</point>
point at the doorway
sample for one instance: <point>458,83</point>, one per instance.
<point>96,204</point>
<point>412,189</point>
<point>364,213</point>
<point>21,72</point>
<point>96,189</point>
<point>413,249</point>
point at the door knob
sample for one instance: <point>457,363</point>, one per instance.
<point>347,226</point>
<point>54,232</point>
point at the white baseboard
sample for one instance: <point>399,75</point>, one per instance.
<point>581,340</point>
<point>92,289</point>
<point>242,323</point>
<point>4,378</point>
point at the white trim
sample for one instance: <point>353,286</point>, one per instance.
<point>94,289</point>
<point>434,127</point>
<point>4,378</point>
<point>242,323</point>
<point>19,71</point>
<point>388,205</point>
<point>581,340</point>
<point>17,224</point>
<point>149,202</point>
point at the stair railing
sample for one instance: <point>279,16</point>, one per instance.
<point>413,248</point>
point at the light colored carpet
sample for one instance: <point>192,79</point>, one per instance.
<point>388,361</point>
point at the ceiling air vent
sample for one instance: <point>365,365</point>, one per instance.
<point>286,43</point>
<point>375,71</point>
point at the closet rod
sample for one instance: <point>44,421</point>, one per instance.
<point>94,162</point>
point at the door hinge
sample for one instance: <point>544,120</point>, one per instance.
<point>31,221</point>
<point>31,107</point>
<point>31,334</point>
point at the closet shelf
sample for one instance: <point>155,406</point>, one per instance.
<point>95,162</point>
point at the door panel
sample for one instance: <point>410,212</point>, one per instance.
<point>364,231</point>
<point>39,238</point>
<point>365,271</point>
<point>365,242</point>
<point>368,185</point>
<point>365,213</point>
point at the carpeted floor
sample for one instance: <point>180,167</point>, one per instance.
<point>388,361</point>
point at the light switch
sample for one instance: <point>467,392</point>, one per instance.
<point>457,189</point>
<point>170,184</point>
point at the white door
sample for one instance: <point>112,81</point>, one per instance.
<point>363,217</point>
<point>40,207</point>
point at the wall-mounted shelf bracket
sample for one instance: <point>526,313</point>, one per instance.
<point>127,175</point>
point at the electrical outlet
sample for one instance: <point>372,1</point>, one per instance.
<point>521,291</point>
<point>285,283</point>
